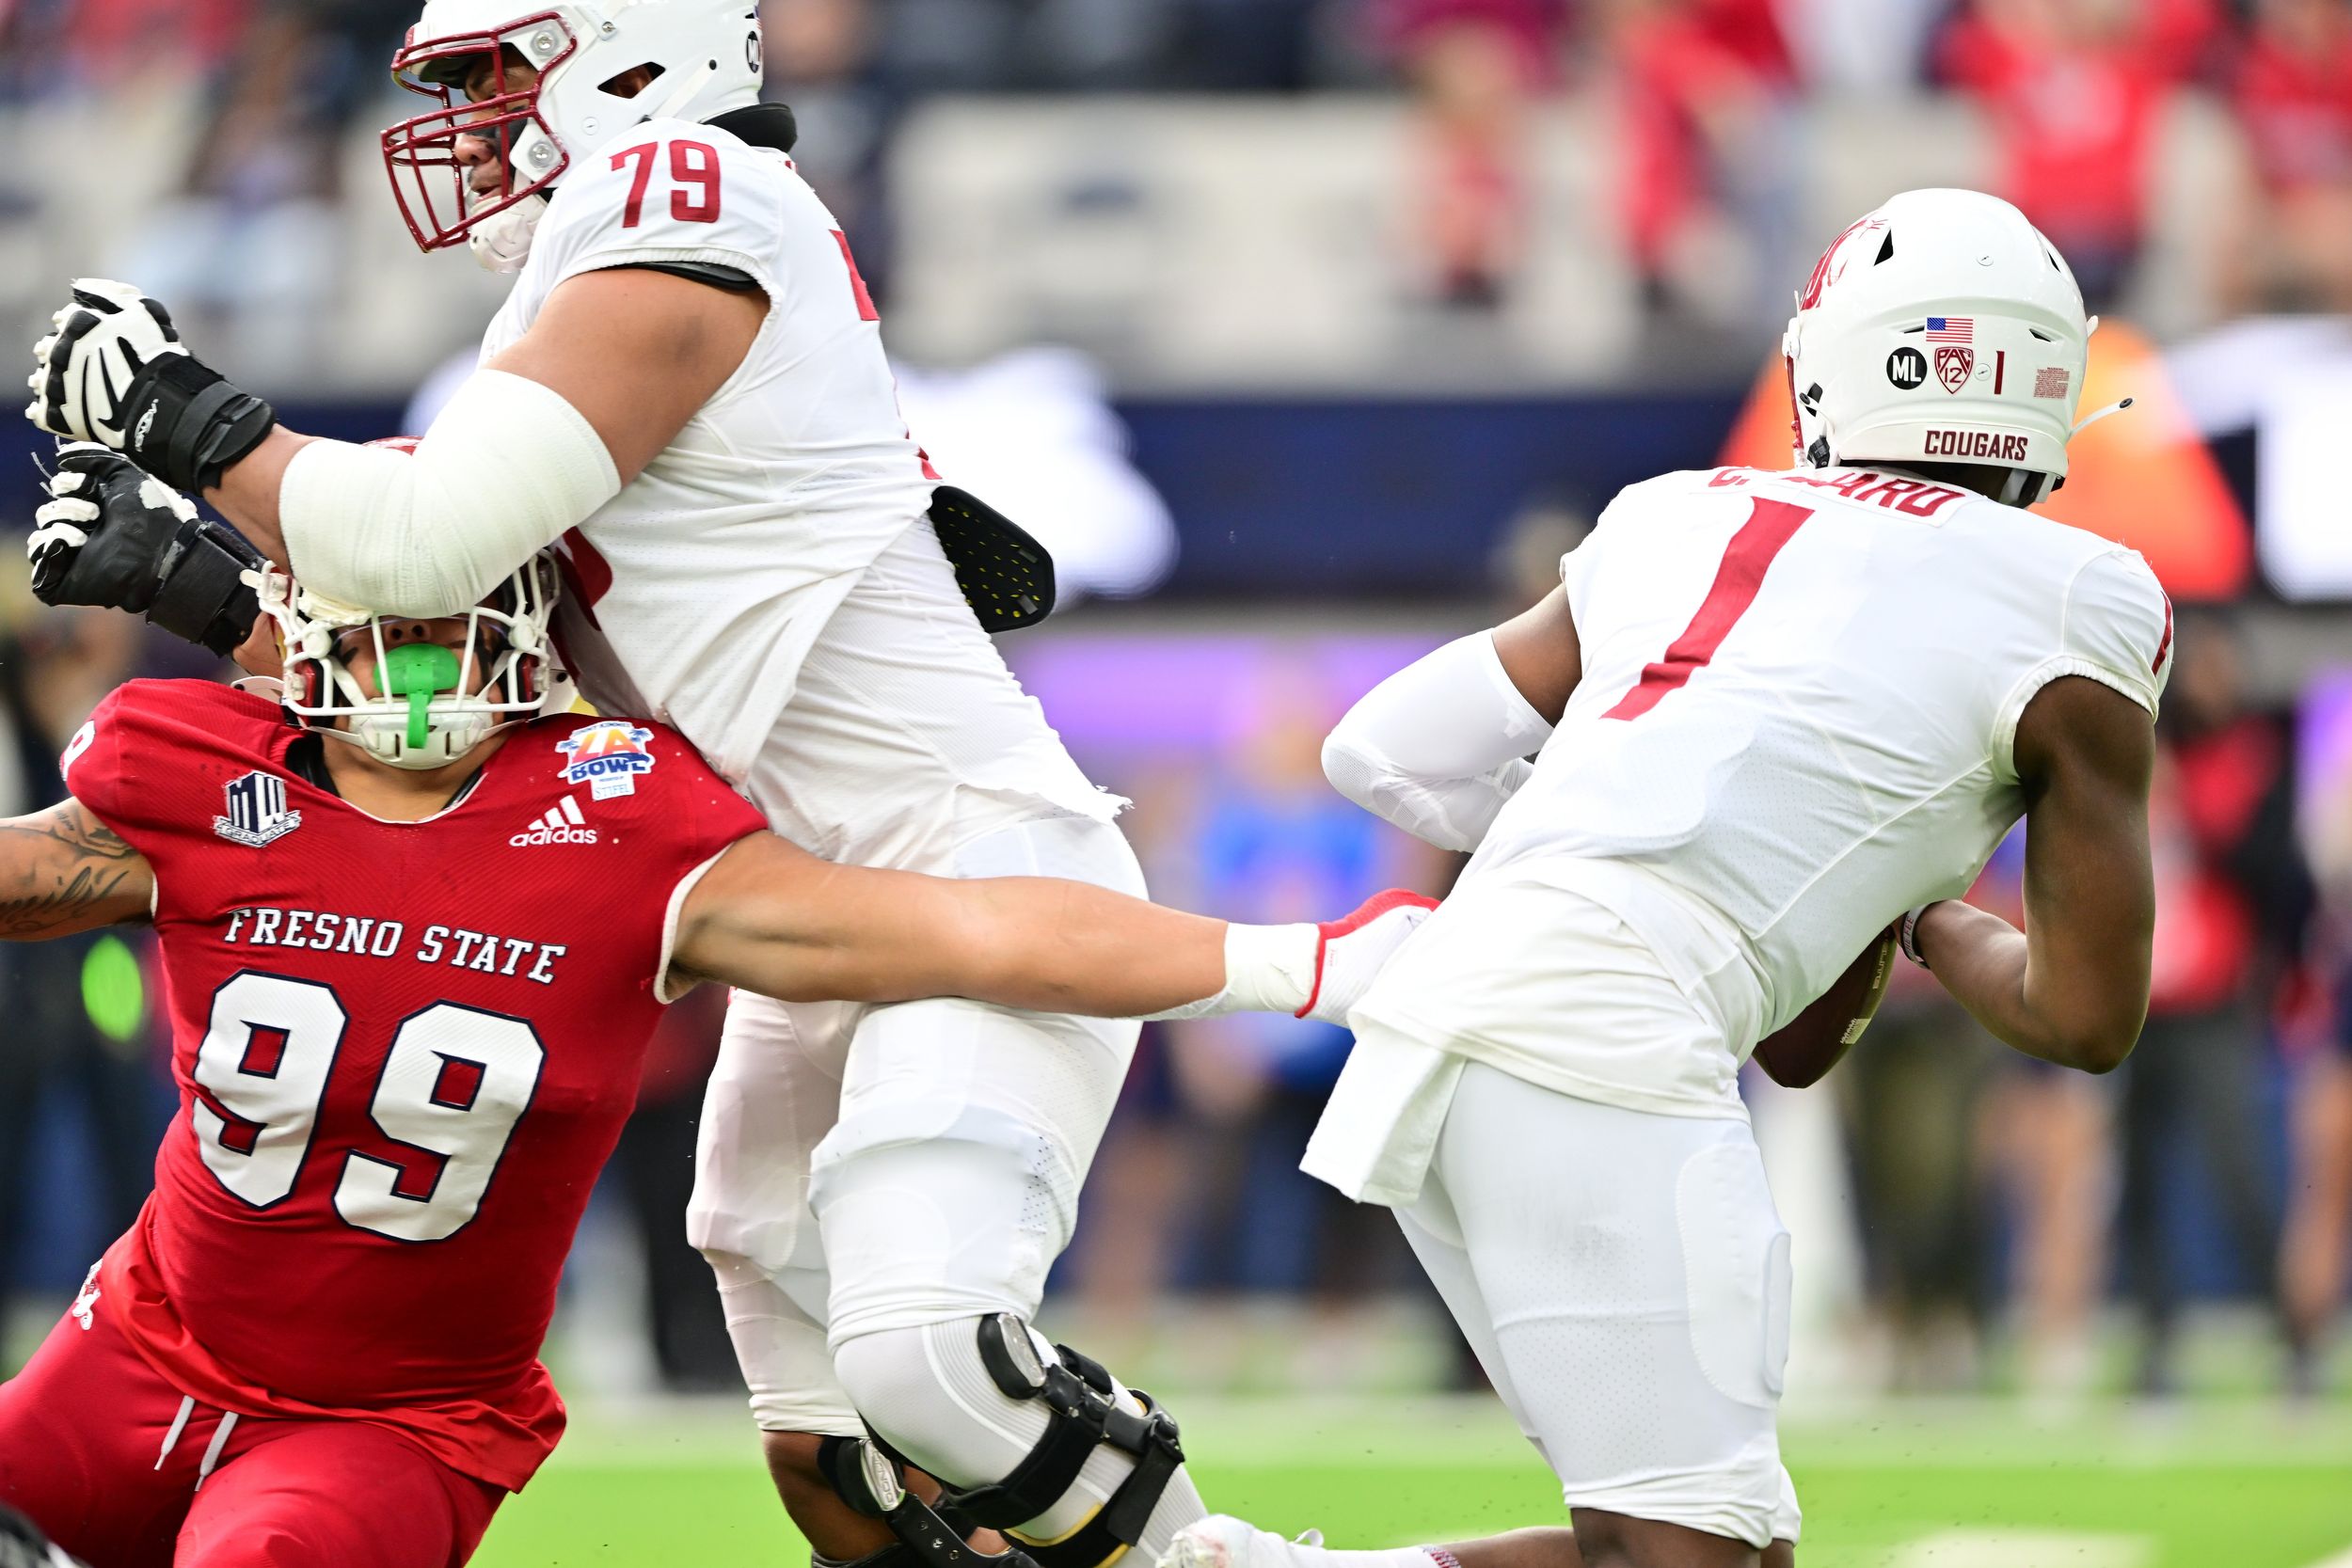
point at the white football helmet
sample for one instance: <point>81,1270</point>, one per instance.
<point>707,57</point>
<point>1941,329</point>
<point>432,704</point>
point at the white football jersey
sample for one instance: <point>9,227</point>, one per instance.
<point>1795,722</point>
<point>700,592</point>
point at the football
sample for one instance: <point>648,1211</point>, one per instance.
<point>1801,1052</point>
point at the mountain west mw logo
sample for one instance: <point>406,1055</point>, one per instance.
<point>563,825</point>
<point>256,811</point>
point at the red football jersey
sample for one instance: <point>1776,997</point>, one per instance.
<point>404,1051</point>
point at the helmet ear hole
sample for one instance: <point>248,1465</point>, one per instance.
<point>636,79</point>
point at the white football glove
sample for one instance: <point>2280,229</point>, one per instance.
<point>82,373</point>
<point>116,373</point>
<point>1318,972</point>
<point>1350,952</point>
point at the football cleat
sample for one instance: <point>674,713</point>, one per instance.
<point>1221,1540</point>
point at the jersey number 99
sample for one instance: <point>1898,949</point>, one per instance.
<point>456,1080</point>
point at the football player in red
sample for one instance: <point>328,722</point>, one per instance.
<point>416,934</point>
<point>687,388</point>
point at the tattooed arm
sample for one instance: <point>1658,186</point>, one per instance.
<point>64,871</point>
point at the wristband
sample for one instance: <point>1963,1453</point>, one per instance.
<point>1268,969</point>
<point>1907,934</point>
<point>202,595</point>
<point>186,424</point>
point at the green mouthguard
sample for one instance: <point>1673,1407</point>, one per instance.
<point>419,672</point>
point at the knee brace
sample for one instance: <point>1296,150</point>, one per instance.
<point>872,1479</point>
<point>1080,1401</point>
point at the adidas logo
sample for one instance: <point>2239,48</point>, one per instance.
<point>563,824</point>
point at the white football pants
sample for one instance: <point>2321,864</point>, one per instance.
<point>869,1170</point>
<point>1624,1279</point>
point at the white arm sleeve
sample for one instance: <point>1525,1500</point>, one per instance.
<point>507,467</point>
<point>1439,746</point>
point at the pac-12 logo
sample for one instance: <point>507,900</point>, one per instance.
<point>1955,359</point>
<point>608,756</point>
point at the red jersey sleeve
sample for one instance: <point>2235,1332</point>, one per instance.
<point>96,762</point>
<point>697,816</point>
<point>156,754</point>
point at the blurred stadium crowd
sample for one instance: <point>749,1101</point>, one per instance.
<point>1359,308</point>
<point>1597,172</point>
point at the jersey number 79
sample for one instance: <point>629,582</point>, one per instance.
<point>693,168</point>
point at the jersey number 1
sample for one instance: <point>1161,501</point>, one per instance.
<point>694,165</point>
<point>1770,524</point>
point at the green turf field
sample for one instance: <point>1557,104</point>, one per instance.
<point>1964,1484</point>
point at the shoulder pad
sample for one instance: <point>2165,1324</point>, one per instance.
<point>670,192</point>
<point>733,280</point>
<point>151,740</point>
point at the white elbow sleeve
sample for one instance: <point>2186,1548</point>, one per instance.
<point>507,467</point>
<point>1438,747</point>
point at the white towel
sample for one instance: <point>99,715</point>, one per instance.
<point>1379,1129</point>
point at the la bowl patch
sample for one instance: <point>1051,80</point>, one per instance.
<point>609,756</point>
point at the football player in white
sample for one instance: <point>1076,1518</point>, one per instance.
<point>687,389</point>
<point>1774,712</point>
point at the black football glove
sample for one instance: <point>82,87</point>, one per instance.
<point>116,373</point>
<point>113,537</point>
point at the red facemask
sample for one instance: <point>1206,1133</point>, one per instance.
<point>433,188</point>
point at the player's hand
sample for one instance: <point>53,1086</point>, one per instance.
<point>82,371</point>
<point>1350,952</point>
<point>113,537</point>
<point>105,526</point>
<point>115,373</point>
